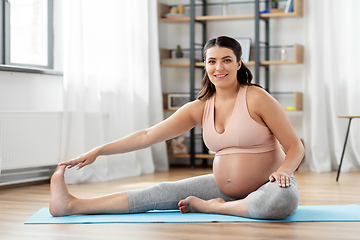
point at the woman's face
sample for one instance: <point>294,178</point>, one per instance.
<point>221,66</point>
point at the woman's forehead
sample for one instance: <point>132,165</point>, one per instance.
<point>216,52</point>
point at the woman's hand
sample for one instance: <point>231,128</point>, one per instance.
<point>283,179</point>
<point>82,160</point>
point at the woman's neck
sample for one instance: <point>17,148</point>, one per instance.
<point>228,93</point>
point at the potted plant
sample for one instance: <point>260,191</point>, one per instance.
<point>274,3</point>
<point>179,52</point>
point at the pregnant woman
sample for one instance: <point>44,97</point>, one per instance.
<point>252,177</point>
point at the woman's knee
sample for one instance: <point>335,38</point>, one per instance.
<point>273,202</point>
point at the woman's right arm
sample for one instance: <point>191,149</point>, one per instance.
<point>178,123</point>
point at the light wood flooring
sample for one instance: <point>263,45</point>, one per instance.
<point>18,204</point>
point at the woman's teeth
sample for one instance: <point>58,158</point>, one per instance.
<point>220,76</point>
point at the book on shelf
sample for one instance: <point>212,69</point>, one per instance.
<point>291,9</point>
<point>289,6</point>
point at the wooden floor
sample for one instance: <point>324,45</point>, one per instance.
<point>18,204</point>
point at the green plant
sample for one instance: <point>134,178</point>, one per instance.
<point>178,49</point>
<point>179,53</point>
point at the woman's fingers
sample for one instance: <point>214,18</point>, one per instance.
<point>288,181</point>
<point>74,162</point>
<point>271,178</point>
<point>282,179</point>
<point>285,181</point>
<point>82,160</point>
<point>83,164</point>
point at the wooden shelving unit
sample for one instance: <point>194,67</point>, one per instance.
<point>297,103</point>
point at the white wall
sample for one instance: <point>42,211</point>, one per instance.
<point>35,92</point>
<point>283,31</point>
<point>30,92</point>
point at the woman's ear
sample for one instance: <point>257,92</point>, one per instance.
<point>239,64</point>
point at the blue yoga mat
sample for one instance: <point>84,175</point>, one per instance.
<point>305,213</point>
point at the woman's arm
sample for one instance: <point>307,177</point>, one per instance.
<point>271,113</point>
<point>178,123</point>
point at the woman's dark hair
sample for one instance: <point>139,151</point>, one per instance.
<point>244,76</point>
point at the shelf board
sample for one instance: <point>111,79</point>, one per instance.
<point>298,59</point>
<point>199,64</point>
<point>250,63</point>
<point>280,15</point>
<point>176,65</point>
<point>199,155</point>
<point>277,62</point>
<point>164,8</point>
<point>178,19</point>
<point>287,110</point>
<point>297,102</point>
<point>204,155</point>
<point>170,110</point>
<point>294,110</point>
<point>230,17</point>
<point>267,63</point>
<point>224,18</point>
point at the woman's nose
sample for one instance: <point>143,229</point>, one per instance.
<point>219,66</point>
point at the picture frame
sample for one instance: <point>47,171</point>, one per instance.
<point>176,100</point>
<point>245,45</point>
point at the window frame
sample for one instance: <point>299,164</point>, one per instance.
<point>2,32</point>
<point>5,42</point>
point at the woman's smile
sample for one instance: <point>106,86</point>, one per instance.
<point>220,76</point>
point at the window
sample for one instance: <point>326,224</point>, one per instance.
<point>27,35</point>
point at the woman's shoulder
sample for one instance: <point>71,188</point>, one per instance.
<point>195,105</point>
<point>258,97</point>
<point>259,100</point>
<point>256,92</point>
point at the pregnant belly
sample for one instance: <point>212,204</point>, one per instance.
<point>237,175</point>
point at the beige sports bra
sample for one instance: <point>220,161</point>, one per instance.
<point>242,134</point>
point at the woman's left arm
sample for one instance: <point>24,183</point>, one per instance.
<point>274,116</point>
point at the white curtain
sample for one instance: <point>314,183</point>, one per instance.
<point>332,84</point>
<point>112,85</point>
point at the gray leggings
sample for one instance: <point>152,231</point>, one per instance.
<point>268,202</point>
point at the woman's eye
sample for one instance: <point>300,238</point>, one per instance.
<point>227,60</point>
<point>211,62</point>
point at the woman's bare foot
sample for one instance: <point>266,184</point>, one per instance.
<point>194,204</point>
<point>60,200</point>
